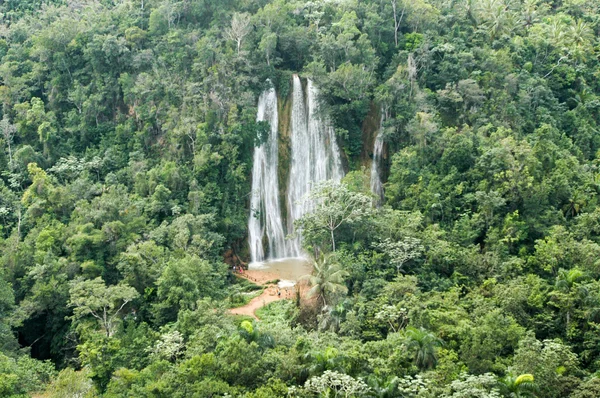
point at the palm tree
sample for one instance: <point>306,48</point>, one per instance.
<point>531,13</point>
<point>518,386</point>
<point>249,331</point>
<point>568,290</point>
<point>577,201</point>
<point>580,33</point>
<point>496,17</point>
<point>320,361</point>
<point>557,33</point>
<point>332,319</point>
<point>383,387</point>
<point>425,345</point>
<point>327,279</point>
<point>566,280</point>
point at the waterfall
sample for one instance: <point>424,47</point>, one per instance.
<point>315,155</point>
<point>376,185</point>
<point>265,210</point>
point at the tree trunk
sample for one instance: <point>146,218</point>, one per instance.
<point>395,23</point>
<point>324,301</point>
<point>332,240</point>
<point>10,164</point>
<point>397,20</point>
<point>19,223</point>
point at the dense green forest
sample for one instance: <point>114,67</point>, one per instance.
<point>127,134</point>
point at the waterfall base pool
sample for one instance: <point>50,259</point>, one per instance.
<point>287,270</point>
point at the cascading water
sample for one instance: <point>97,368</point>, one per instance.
<point>326,154</point>
<point>376,185</point>
<point>265,210</point>
<point>315,155</point>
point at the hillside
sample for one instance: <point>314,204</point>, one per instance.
<point>453,228</point>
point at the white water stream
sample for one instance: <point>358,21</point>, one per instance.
<point>315,157</point>
<point>265,210</point>
<point>376,185</point>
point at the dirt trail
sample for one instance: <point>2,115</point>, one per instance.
<point>269,294</point>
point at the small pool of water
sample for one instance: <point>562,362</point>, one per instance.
<point>287,270</point>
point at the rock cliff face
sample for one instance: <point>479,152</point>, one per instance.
<point>285,146</point>
<point>370,128</point>
<point>374,154</point>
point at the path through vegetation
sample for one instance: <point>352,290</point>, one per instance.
<point>263,278</point>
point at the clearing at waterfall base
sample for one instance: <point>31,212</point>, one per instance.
<point>268,295</point>
<point>275,276</point>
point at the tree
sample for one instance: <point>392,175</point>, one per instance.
<point>550,361</point>
<point>383,387</point>
<point>336,205</point>
<point>32,118</point>
<point>142,264</point>
<point>398,11</point>
<point>395,317</point>
<point>267,45</point>
<point>323,360</point>
<point>105,303</point>
<point>568,292</point>
<point>518,386</point>
<point>335,384</point>
<point>252,333</point>
<point>488,202</point>
<point>471,386</point>
<point>327,279</point>
<point>488,337</point>
<point>21,376</point>
<point>239,29</point>
<point>566,280</point>
<point>7,304</point>
<point>73,384</point>
<point>170,346</point>
<point>588,389</point>
<point>8,133</point>
<point>183,282</point>
<point>352,82</point>
<point>424,345</point>
<point>422,128</point>
<point>497,17</point>
<point>402,251</point>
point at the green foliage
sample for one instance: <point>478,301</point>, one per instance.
<point>104,303</point>
<point>551,362</point>
<point>587,389</point>
<point>337,206</point>
<point>335,384</point>
<point>327,280</point>
<point>70,383</point>
<point>519,386</point>
<point>126,145</point>
<point>481,386</point>
<point>423,344</point>
<point>183,282</point>
<point>23,375</point>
